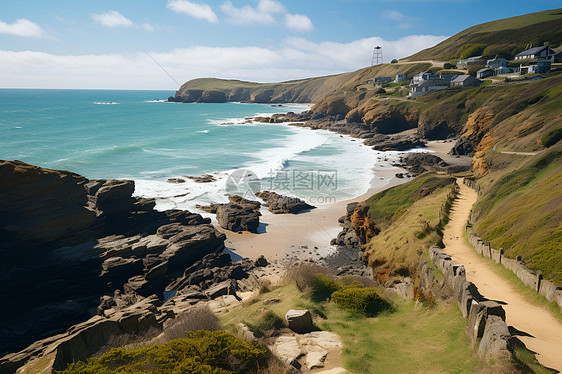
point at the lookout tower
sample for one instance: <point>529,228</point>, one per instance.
<point>377,56</point>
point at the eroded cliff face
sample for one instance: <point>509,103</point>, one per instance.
<point>66,240</point>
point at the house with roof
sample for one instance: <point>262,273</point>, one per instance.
<point>399,78</point>
<point>539,67</point>
<point>465,81</point>
<point>464,64</point>
<point>498,65</point>
<point>485,73</point>
<point>535,53</point>
<point>427,86</point>
<point>424,83</point>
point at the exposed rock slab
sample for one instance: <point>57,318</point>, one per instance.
<point>280,204</point>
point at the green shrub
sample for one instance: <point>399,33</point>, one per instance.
<point>552,137</point>
<point>496,50</point>
<point>201,352</point>
<point>473,69</point>
<point>469,50</point>
<point>322,286</point>
<point>448,65</point>
<point>364,299</point>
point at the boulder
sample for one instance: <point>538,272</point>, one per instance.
<point>221,289</point>
<point>261,262</point>
<point>280,204</point>
<point>299,320</point>
<point>287,349</point>
<point>236,218</point>
<point>420,162</point>
<point>315,359</point>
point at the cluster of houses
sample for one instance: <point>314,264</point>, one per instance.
<point>533,60</point>
<point>424,83</point>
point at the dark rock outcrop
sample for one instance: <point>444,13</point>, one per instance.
<point>236,217</point>
<point>418,163</point>
<point>65,241</point>
<point>207,178</point>
<point>397,142</point>
<point>239,214</point>
<point>280,204</point>
<point>464,147</point>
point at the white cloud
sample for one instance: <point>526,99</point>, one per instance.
<point>195,10</point>
<point>298,22</point>
<point>270,7</point>
<point>263,14</point>
<point>147,27</point>
<point>22,27</point>
<point>393,14</point>
<point>296,58</point>
<point>112,18</point>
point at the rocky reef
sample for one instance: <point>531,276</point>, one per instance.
<point>65,241</point>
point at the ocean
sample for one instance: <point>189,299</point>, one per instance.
<point>138,135</point>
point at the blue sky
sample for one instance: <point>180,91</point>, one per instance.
<point>113,44</point>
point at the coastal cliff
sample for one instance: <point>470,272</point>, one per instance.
<point>66,241</point>
<point>205,90</point>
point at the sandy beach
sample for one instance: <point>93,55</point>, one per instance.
<point>305,235</point>
<point>308,234</point>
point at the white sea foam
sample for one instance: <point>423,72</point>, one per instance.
<point>156,101</point>
<point>105,103</point>
<point>203,131</point>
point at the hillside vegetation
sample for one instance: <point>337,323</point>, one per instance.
<point>298,91</point>
<point>521,212</point>
<point>404,221</point>
<point>511,35</point>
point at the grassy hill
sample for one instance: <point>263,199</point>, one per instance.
<point>297,91</point>
<point>511,35</point>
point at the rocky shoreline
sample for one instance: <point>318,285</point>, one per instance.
<point>90,262</point>
<point>100,255</point>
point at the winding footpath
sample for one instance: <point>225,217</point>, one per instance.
<point>540,331</point>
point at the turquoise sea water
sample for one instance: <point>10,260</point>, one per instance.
<point>137,135</point>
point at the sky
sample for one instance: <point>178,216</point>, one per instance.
<point>160,44</point>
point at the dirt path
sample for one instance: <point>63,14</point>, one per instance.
<point>545,331</point>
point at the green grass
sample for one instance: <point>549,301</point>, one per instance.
<point>388,205</point>
<point>510,35</point>
<point>521,213</point>
<point>410,221</point>
<point>552,137</point>
<point>526,292</point>
<point>412,338</point>
<point>408,338</point>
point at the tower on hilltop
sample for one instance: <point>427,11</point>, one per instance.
<point>377,56</point>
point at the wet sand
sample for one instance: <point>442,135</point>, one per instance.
<point>283,234</point>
